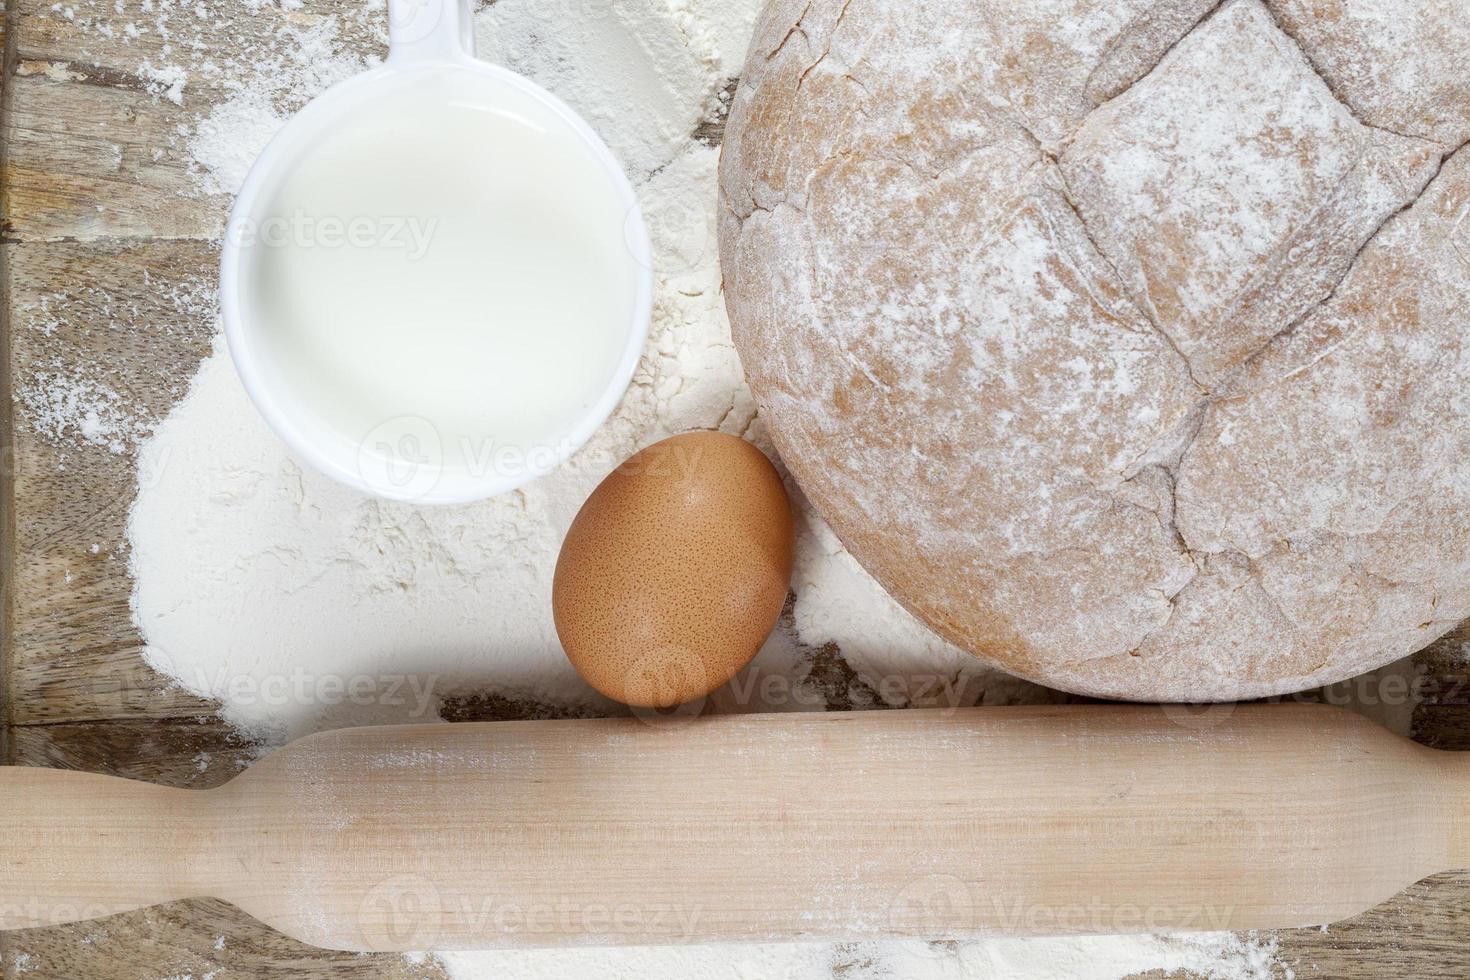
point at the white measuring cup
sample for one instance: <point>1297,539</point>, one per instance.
<point>498,355</point>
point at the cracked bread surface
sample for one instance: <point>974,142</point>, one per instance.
<point>1127,345</point>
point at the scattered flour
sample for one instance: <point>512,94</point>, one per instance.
<point>1213,956</point>
<point>167,82</point>
<point>71,403</point>
<point>299,63</point>
<point>75,401</point>
<point>22,962</point>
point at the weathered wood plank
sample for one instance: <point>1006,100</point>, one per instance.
<point>196,939</point>
<point>1421,933</point>
<point>134,320</point>
<point>89,161</point>
<point>192,753</point>
<point>98,146</point>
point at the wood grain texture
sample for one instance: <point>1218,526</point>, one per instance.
<point>88,211</point>
<point>92,152</point>
<point>7,448</point>
<point>620,832</point>
<point>74,651</point>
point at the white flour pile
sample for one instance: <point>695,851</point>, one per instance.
<point>300,605</point>
<point>1216,957</point>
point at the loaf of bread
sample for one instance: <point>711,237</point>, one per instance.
<point>1126,344</point>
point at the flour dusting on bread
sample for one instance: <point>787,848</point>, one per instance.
<point>1125,344</point>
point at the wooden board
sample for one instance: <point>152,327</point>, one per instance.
<point>101,230</point>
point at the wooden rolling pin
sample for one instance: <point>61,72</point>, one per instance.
<point>838,826</point>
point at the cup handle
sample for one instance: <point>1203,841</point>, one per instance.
<point>430,30</point>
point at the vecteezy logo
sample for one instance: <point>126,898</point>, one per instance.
<point>400,913</point>
<point>667,686</point>
<point>402,459</point>
<point>1199,717</point>
<point>414,20</point>
<point>636,237</point>
<point>687,234</point>
<point>935,906</point>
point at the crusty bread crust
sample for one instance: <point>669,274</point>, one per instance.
<point>1126,344</point>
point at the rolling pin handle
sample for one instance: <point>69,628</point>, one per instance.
<point>78,846</point>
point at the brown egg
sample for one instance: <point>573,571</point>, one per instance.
<point>675,570</point>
